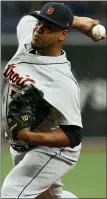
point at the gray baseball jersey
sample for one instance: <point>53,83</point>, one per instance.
<point>53,76</point>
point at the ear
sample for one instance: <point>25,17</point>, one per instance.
<point>63,35</point>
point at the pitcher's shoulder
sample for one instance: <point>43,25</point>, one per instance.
<point>25,27</point>
<point>25,19</point>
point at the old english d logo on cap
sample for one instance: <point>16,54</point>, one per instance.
<point>50,11</point>
<point>56,13</point>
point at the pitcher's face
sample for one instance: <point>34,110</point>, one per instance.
<point>46,34</point>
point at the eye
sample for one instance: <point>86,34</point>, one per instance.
<point>49,27</point>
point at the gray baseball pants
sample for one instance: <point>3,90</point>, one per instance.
<point>38,172</point>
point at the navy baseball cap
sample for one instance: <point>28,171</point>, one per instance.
<point>57,13</point>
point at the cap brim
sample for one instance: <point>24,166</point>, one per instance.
<point>38,16</point>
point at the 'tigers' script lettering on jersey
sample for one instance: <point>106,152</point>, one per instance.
<point>14,77</point>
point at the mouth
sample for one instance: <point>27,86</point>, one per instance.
<point>37,40</point>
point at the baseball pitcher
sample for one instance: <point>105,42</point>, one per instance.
<point>41,106</point>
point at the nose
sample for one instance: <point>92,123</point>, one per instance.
<point>39,29</point>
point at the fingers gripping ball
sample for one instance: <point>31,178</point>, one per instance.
<point>98,31</point>
<point>27,110</point>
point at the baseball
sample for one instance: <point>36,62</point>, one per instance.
<point>98,31</point>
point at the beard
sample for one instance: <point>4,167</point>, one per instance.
<point>42,47</point>
<point>39,48</point>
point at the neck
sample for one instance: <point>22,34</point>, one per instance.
<point>51,52</point>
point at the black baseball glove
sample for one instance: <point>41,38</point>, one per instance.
<point>27,110</point>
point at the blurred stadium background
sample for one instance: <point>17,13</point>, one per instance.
<point>88,59</point>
